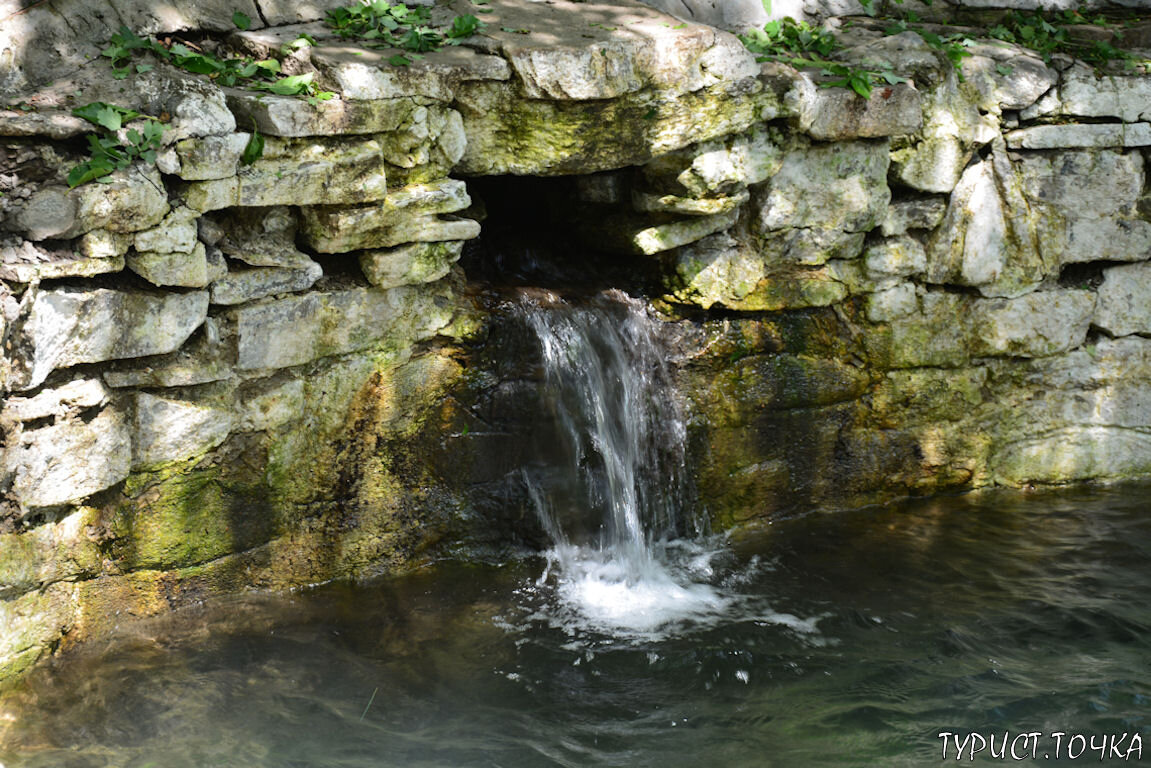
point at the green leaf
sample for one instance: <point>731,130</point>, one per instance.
<point>399,60</point>
<point>253,150</point>
<point>242,20</point>
<point>464,26</point>
<point>290,86</point>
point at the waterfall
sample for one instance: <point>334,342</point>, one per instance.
<point>616,511</point>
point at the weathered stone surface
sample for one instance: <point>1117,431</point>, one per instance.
<point>175,234</point>
<point>259,237</point>
<point>1125,300</point>
<point>169,429</point>
<point>664,237</point>
<point>132,200</point>
<point>719,167</point>
<point>1074,454</point>
<point>1085,205</point>
<point>33,623</point>
<point>936,335</point>
<point>102,244</point>
<point>812,246</point>
<point>897,301</point>
<point>67,326</point>
<point>952,125</point>
<point>196,104</point>
<point>410,264</point>
<point>832,186</point>
<point>211,157</point>
<point>266,404</point>
<point>837,114</point>
<point>508,134</point>
<point>733,15</point>
<point>299,172</point>
<point>57,402</point>
<point>25,262</point>
<point>1036,325</point>
<point>921,213</point>
<point>1004,77</point>
<point>208,356</point>
<point>1086,135</point>
<point>690,206</point>
<point>363,75</point>
<point>716,270</point>
<point>184,270</point>
<point>1122,96</point>
<point>295,330</point>
<point>988,237</point>
<point>895,257</point>
<point>69,460</point>
<point>48,554</point>
<point>239,286</point>
<point>408,215</point>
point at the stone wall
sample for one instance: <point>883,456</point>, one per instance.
<point>221,375</point>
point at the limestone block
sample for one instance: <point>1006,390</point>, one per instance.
<point>297,329</point>
<point>260,237</point>
<point>919,213</point>
<point>175,234</point>
<point>983,242</point>
<point>210,157</point>
<point>664,237</point>
<point>69,460</point>
<point>719,167</point>
<point>1002,77</point>
<point>68,326</point>
<point>196,104</point>
<point>646,202</point>
<point>299,172</point>
<point>170,429</point>
<point>716,270</point>
<point>57,402</point>
<point>830,186</point>
<point>836,114</point>
<point>892,303</point>
<point>132,200</point>
<point>239,286</point>
<point>1119,95</point>
<point>25,262</point>
<point>1039,324</point>
<point>266,404</point>
<point>935,336</point>
<point>102,244</point>
<point>48,553</point>
<point>407,215</point>
<point>208,356</point>
<point>33,623</point>
<point>183,270</point>
<point>1084,135</point>
<point>410,264</point>
<point>365,75</point>
<point>895,257</point>
<point>1125,300</point>
<point>1074,454</point>
<point>952,125</point>
<point>1085,204</point>
<point>733,15</point>
<point>812,246</point>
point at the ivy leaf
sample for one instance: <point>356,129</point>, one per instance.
<point>254,149</point>
<point>242,21</point>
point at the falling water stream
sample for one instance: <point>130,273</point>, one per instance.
<point>639,638</point>
<point>615,517</point>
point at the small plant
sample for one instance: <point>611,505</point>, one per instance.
<point>801,45</point>
<point>1048,35</point>
<point>108,150</point>
<point>397,26</point>
<point>263,75</point>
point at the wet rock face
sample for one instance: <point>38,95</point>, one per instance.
<point>222,370</point>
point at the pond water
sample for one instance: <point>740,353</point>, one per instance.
<point>845,639</point>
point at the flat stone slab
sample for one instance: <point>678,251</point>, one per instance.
<point>68,326</point>
<point>1086,136</point>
